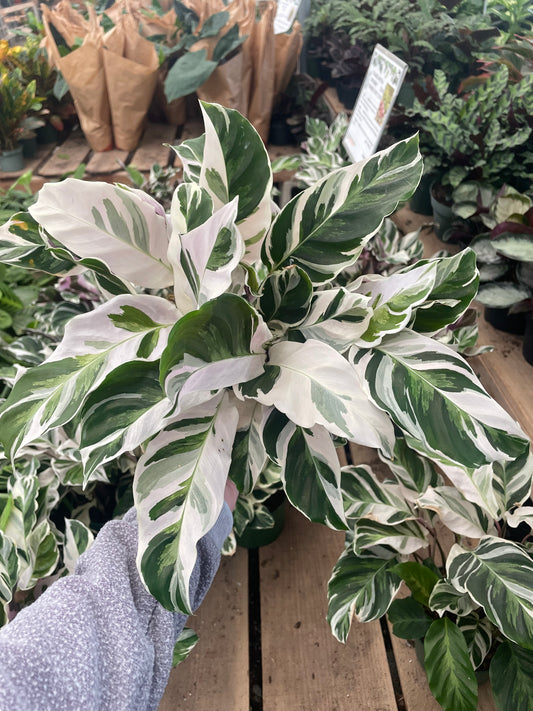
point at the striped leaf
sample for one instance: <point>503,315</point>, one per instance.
<point>446,598</point>
<point>9,568</point>
<point>324,229</point>
<point>498,575</point>
<point>204,258</point>
<point>123,329</point>
<point>78,539</point>
<point>191,155</point>
<point>191,207</point>
<point>313,384</point>
<point>522,514</point>
<point>405,537</point>
<point>312,477</point>
<point>337,317</point>
<point>435,398</point>
<point>122,227</point>
<point>366,496</point>
<point>477,631</point>
<point>511,678</point>
<point>393,299</point>
<point>249,457</point>
<point>40,557</point>
<point>456,513</point>
<point>285,299</point>
<point>236,163</point>
<point>361,587</point>
<point>412,472</point>
<point>513,480</point>
<point>127,409</point>
<point>22,244</point>
<point>186,643</point>
<point>219,345</point>
<point>179,492</point>
<point>502,294</point>
<point>514,246</point>
<point>456,284</point>
<point>450,673</point>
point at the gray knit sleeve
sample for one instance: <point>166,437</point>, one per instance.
<point>97,640</point>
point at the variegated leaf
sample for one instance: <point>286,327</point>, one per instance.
<point>41,556</point>
<point>522,514</point>
<point>392,299</point>
<point>191,207</point>
<point>123,329</point>
<point>405,537</point>
<point>191,155</point>
<point>236,163</point>
<point>22,244</point>
<point>324,229</point>
<point>456,284</point>
<point>78,539</point>
<point>187,641</point>
<point>337,317</point>
<point>477,631</point>
<point>413,472</point>
<point>514,246</point>
<point>513,480</point>
<point>127,409</point>
<point>285,299</point>
<point>361,587</point>
<point>498,575</point>
<point>312,476</point>
<point>9,568</point>
<point>446,598</point>
<point>219,345</point>
<point>122,227</point>
<point>448,667</point>
<point>434,397</point>
<point>313,384</point>
<point>249,457</point>
<point>204,259</point>
<point>456,513</point>
<point>365,496</point>
<point>21,515</point>
<point>179,492</point>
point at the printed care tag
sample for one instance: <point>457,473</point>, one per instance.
<point>285,15</point>
<point>374,104</point>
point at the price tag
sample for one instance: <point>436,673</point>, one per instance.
<point>374,104</point>
<point>287,10</point>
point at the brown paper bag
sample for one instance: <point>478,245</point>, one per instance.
<point>83,71</point>
<point>288,48</point>
<point>225,85</point>
<point>263,56</point>
<point>172,112</point>
<point>131,66</point>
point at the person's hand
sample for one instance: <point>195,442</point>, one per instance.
<point>231,494</point>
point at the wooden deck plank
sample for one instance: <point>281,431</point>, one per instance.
<point>505,373</point>
<point>304,667</point>
<point>215,675</point>
<point>106,162</point>
<point>152,149</point>
<point>66,157</point>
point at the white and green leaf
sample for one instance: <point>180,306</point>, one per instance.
<point>477,631</point>
<point>185,644</point>
<point>413,472</point>
<point>456,512</point>
<point>405,537</point>
<point>78,539</point>
<point>179,492</point>
<point>9,568</point>
<point>285,299</point>
<point>498,575</point>
<point>446,598</point>
<point>122,227</point>
<point>317,231</point>
<point>366,496</point>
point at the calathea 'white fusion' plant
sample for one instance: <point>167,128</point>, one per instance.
<point>241,351</point>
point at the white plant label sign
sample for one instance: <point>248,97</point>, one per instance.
<point>285,15</point>
<point>374,103</point>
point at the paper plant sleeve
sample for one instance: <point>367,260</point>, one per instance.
<point>288,48</point>
<point>131,67</point>
<point>263,49</point>
<point>83,71</point>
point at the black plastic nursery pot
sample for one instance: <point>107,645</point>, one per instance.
<point>47,134</point>
<point>442,213</point>
<point>280,133</point>
<point>258,537</point>
<point>421,199</point>
<point>501,319</point>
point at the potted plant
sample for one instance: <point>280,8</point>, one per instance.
<point>16,100</point>
<point>481,135</point>
<point>241,351</point>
